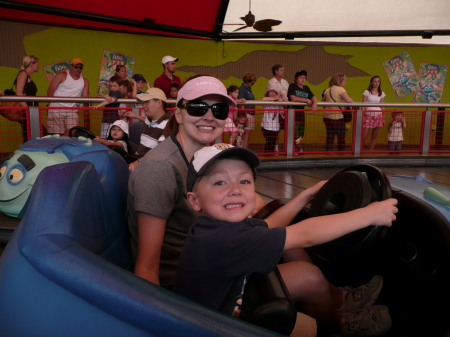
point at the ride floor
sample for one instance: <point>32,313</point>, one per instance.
<point>275,184</point>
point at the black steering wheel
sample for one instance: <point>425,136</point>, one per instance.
<point>352,188</point>
<point>79,131</point>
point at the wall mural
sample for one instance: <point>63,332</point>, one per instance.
<point>402,75</point>
<point>319,64</point>
<point>109,62</point>
<point>53,68</point>
<point>431,80</point>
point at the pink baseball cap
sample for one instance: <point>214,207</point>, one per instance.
<point>201,86</point>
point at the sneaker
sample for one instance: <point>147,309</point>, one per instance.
<point>361,297</point>
<point>370,321</point>
<point>298,140</point>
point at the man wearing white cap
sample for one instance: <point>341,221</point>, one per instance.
<point>167,78</point>
<point>155,106</point>
<point>69,83</point>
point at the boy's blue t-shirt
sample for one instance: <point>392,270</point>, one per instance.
<point>110,116</point>
<point>216,254</point>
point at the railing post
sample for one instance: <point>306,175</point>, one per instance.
<point>35,125</point>
<point>358,125</point>
<point>426,132</point>
<point>290,131</point>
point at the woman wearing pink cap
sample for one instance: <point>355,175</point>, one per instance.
<point>159,216</point>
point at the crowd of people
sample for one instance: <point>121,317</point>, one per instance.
<point>180,180</point>
<point>241,120</point>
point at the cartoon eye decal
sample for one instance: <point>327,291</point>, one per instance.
<point>2,171</point>
<point>15,175</point>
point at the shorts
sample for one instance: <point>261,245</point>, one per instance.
<point>59,121</point>
<point>251,123</point>
<point>371,122</point>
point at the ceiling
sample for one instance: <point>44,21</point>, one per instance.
<point>354,21</point>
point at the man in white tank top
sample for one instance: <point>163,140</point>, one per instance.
<point>69,83</point>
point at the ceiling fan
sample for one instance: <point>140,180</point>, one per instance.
<point>261,25</point>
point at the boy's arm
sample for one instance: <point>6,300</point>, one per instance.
<point>284,215</point>
<point>100,105</point>
<point>403,122</point>
<point>313,105</point>
<point>318,230</point>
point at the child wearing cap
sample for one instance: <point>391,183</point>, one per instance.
<point>138,81</point>
<point>224,244</point>
<point>117,89</point>
<point>117,135</point>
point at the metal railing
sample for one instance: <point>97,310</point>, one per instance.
<point>357,122</point>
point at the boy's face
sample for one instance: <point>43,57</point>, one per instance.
<point>140,85</point>
<point>173,92</point>
<point>113,86</point>
<point>226,192</point>
<point>123,89</point>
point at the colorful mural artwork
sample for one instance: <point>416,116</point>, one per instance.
<point>52,69</point>
<point>431,80</point>
<point>109,62</point>
<point>402,75</point>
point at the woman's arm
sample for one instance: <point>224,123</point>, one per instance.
<point>134,86</point>
<point>150,238</point>
<point>382,101</point>
<point>346,97</point>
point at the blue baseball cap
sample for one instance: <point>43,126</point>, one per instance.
<point>138,77</point>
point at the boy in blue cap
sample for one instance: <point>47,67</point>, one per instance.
<point>224,244</point>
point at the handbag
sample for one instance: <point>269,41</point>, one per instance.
<point>11,114</point>
<point>346,111</point>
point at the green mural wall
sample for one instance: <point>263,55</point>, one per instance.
<point>59,44</point>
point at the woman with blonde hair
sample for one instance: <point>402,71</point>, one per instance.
<point>334,119</point>
<point>26,87</point>
<point>245,91</point>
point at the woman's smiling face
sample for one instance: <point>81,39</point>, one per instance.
<point>204,129</point>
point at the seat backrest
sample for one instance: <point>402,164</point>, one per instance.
<point>62,273</point>
<point>134,135</point>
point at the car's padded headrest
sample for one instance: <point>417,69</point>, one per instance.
<point>69,199</point>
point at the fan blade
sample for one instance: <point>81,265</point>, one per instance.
<point>240,28</point>
<point>266,25</point>
<point>229,24</point>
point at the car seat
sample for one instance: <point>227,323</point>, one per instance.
<point>67,269</point>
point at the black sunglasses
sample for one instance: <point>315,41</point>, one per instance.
<point>78,67</point>
<point>199,108</point>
